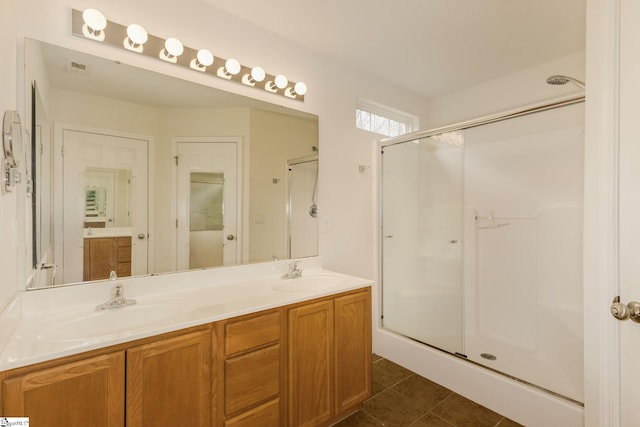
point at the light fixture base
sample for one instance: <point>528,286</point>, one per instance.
<point>115,34</point>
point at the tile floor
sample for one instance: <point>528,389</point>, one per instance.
<point>401,398</point>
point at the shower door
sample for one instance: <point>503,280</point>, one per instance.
<point>422,240</point>
<point>302,208</point>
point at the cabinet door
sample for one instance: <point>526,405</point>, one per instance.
<point>169,382</point>
<point>99,258</point>
<point>85,393</point>
<point>352,350</point>
<point>311,397</point>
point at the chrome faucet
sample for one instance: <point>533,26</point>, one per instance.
<point>293,272</point>
<point>117,299</point>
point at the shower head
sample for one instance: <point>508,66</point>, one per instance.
<point>561,80</point>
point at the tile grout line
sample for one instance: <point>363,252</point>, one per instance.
<point>435,415</point>
<point>374,418</point>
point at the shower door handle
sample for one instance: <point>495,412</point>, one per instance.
<point>623,312</point>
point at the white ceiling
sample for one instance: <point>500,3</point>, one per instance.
<point>431,47</point>
<point>109,79</point>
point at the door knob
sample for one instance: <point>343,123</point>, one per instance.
<point>634,311</point>
<point>625,311</point>
<point>141,236</point>
<point>230,237</point>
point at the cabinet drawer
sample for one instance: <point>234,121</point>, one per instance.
<point>251,378</point>
<point>124,269</point>
<point>123,241</point>
<point>265,415</point>
<point>124,254</point>
<point>251,333</point>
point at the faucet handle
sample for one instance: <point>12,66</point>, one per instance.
<point>293,266</point>
<point>113,275</point>
<point>117,291</point>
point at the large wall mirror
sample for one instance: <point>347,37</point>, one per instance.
<point>140,173</point>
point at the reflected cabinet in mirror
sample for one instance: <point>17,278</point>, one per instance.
<point>137,172</point>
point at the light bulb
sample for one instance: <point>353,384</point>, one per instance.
<point>281,81</point>
<point>258,74</point>
<point>232,66</point>
<point>173,46</point>
<point>137,35</point>
<point>300,88</point>
<point>94,19</point>
<point>205,57</point>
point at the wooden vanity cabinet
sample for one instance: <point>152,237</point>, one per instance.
<point>311,347</point>
<point>166,382</point>
<point>307,364</point>
<point>169,382</point>
<point>252,361</point>
<point>87,392</point>
<point>329,358</point>
<point>352,325</point>
<point>102,255</point>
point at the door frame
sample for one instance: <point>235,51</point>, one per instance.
<point>58,188</point>
<point>602,376</point>
<point>242,196</point>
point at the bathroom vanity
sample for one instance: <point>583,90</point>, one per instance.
<point>246,351</point>
<point>102,255</point>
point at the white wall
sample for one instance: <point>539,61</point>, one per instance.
<point>275,138</point>
<point>12,205</point>
<point>511,91</point>
<point>346,195</point>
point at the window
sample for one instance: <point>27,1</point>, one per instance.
<point>383,120</point>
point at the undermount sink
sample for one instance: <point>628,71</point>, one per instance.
<point>98,324</point>
<point>307,283</point>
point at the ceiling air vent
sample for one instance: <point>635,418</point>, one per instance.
<point>77,67</point>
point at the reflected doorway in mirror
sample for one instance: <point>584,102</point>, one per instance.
<point>208,166</point>
<point>115,167</point>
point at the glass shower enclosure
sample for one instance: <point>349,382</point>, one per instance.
<point>481,240</point>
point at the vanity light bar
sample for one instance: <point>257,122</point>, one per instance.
<point>92,25</point>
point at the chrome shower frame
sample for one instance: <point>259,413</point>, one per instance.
<point>459,126</point>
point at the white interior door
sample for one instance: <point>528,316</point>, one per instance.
<point>202,158</point>
<point>85,151</point>
<point>629,231</point>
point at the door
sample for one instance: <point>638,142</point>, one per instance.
<point>311,370</point>
<point>105,185</point>
<point>352,350</point>
<point>207,204</point>
<point>84,393</point>
<point>629,205</point>
<point>169,382</point>
<point>421,240</point>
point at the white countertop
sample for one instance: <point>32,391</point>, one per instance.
<point>92,233</point>
<point>48,324</point>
